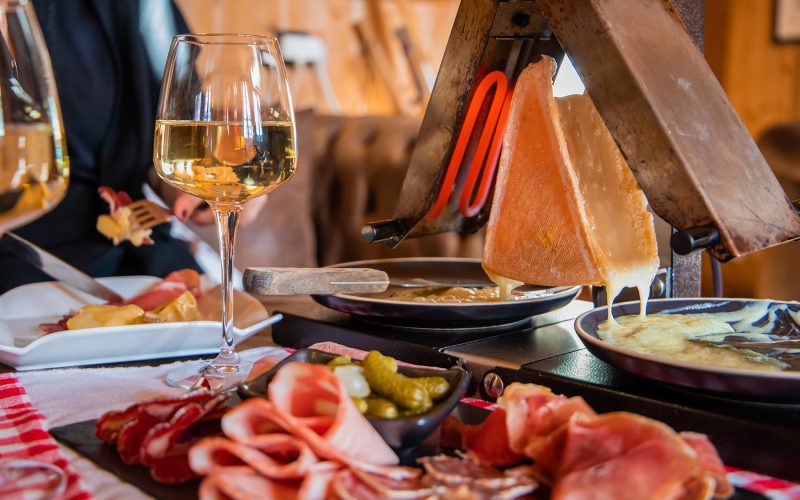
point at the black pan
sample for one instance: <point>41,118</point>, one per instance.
<point>751,384</point>
<point>381,307</point>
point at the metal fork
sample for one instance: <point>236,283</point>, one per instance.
<point>147,214</point>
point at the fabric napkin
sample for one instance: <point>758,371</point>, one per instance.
<point>23,436</point>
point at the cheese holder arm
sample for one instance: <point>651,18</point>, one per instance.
<point>689,151</point>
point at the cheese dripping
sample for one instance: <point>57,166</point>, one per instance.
<point>566,209</point>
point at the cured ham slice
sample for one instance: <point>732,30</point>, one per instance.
<point>243,483</point>
<point>488,442</point>
<point>533,413</point>
<point>173,285</point>
<point>619,455</point>
<point>710,462</point>
<point>293,445</point>
<point>277,456</point>
<point>111,423</point>
<point>165,447</point>
<point>485,481</point>
<point>309,402</point>
<point>566,209</point>
<point>158,433</point>
<point>585,455</point>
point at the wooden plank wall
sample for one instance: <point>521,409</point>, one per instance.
<point>760,76</point>
<point>358,87</point>
<point>762,79</point>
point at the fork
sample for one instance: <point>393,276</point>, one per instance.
<point>147,214</point>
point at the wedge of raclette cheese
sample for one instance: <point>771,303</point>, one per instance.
<point>567,209</point>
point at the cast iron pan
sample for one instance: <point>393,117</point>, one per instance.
<point>381,307</point>
<point>779,386</point>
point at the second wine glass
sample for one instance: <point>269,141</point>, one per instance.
<point>225,133</point>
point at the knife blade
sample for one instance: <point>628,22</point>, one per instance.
<point>57,268</point>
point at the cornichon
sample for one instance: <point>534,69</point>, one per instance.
<point>361,404</point>
<point>339,361</point>
<point>381,374</point>
<point>437,387</point>
<point>380,407</point>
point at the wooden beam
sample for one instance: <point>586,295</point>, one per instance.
<point>686,145</point>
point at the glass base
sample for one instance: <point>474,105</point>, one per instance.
<point>213,376</point>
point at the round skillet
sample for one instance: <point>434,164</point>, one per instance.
<point>750,384</point>
<point>381,307</point>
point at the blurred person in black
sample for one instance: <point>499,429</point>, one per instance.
<point>108,57</point>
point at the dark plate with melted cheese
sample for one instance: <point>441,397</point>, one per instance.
<point>777,380</point>
<point>390,308</point>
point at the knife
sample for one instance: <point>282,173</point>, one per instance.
<point>314,281</point>
<point>57,268</point>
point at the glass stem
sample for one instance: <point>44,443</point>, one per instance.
<point>227,218</point>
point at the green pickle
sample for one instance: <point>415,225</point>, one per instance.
<point>339,361</point>
<point>437,387</point>
<point>361,404</point>
<point>380,407</point>
<point>381,374</point>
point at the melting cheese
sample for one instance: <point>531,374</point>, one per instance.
<point>673,336</point>
<point>566,209</point>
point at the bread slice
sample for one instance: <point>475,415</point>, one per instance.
<point>567,209</point>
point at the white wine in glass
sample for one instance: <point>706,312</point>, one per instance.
<point>225,133</point>
<point>34,168</point>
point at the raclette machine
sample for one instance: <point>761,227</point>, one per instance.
<point>642,65</point>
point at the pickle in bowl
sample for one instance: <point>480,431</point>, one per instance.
<point>405,428</point>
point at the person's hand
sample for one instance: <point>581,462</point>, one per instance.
<point>192,208</point>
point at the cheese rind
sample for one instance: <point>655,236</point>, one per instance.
<point>567,209</point>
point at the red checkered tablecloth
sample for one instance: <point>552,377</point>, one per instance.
<point>23,436</point>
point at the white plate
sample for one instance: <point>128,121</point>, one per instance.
<point>24,346</point>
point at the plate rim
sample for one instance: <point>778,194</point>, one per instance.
<point>241,333</point>
<point>600,343</point>
<point>565,290</point>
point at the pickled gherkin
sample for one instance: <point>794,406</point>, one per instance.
<point>380,407</point>
<point>339,361</point>
<point>437,387</point>
<point>381,374</point>
<point>361,404</point>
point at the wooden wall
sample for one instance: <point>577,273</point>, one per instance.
<point>762,79</point>
<point>358,87</point>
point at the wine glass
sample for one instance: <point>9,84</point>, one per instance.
<point>34,173</point>
<point>34,169</point>
<point>225,133</point>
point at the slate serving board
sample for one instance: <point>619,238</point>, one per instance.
<point>80,437</point>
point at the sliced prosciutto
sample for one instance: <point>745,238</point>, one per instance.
<point>159,433</point>
<point>533,412</point>
<point>296,444</point>
<point>619,455</point>
<point>277,456</point>
<point>165,447</point>
<point>308,401</point>
<point>710,462</point>
<point>243,483</point>
<point>487,443</point>
<point>173,285</point>
<point>585,455</point>
<point>111,423</point>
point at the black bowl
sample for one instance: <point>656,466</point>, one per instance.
<point>400,432</point>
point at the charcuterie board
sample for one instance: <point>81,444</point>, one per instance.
<point>81,438</point>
